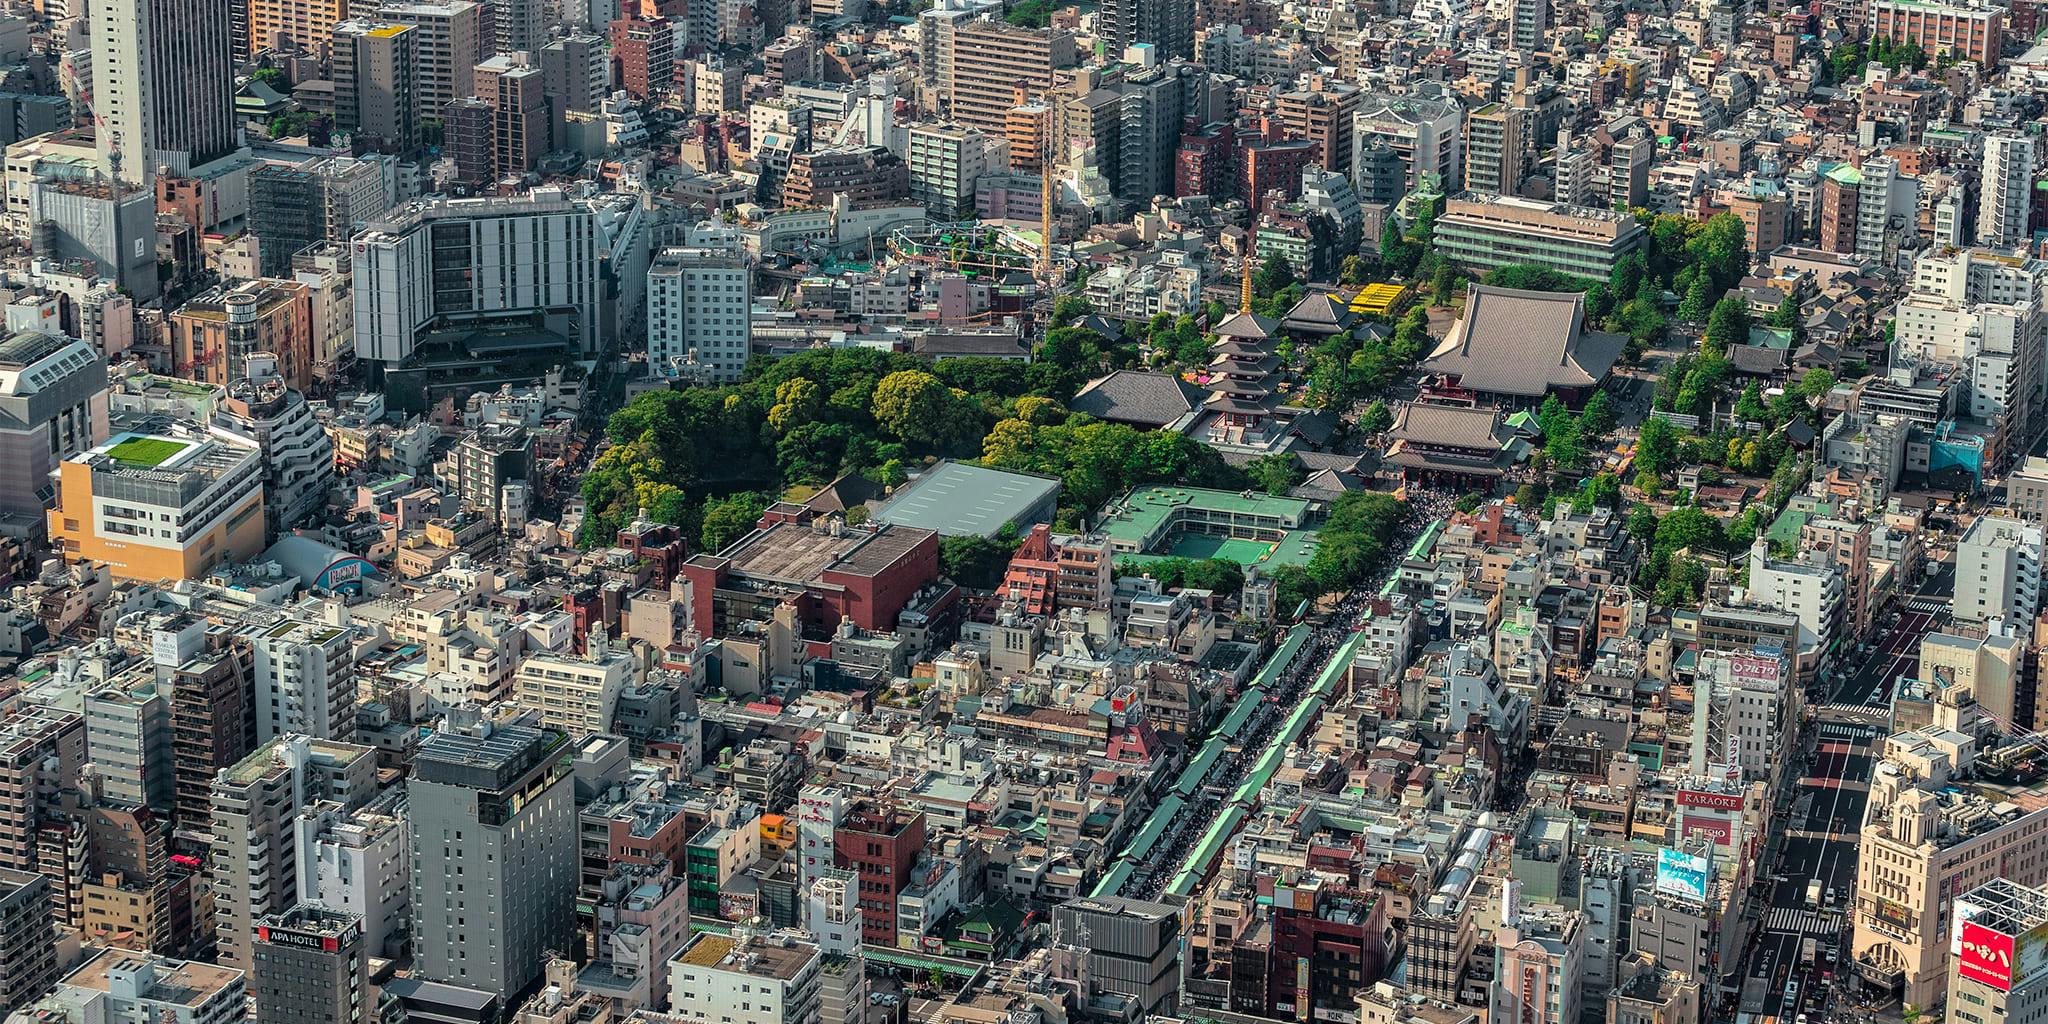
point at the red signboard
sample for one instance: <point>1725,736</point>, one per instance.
<point>1720,831</point>
<point>1985,956</point>
<point>1715,801</point>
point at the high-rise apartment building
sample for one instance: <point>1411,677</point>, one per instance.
<point>945,160</point>
<point>358,863</point>
<point>128,737</point>
<point>1971,31</point>
<point>1982,313</point>
<point>1531,28</point>
<point>305,681</point>
<point>531,254</point>
<point>1323,115</point>
<point>998,65</point>
<point>645,49</point>
<point>575,70</point>
<point>519,123</point>
<point>1887,205</point>
<point>28,940</point>
<point>699,310</point>
<point>453,39</point>
<point>2005,190</point>
<point>1496,137</point>
<point>376,89</point>
<point>163,89</point>
<point>256,803</point>
<point>518,25</point>
<point>879,842</point>
<point>284,25</point>
<point>214,335</point>
<point>493,853</point>
<point>308,964</point>
<point>1167,25</point>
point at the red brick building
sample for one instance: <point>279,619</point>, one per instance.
<point>879,843</point>
<point>1203,165</point>
<point>645,52</point>
<point>830,570</point>
<point>1274,167</point>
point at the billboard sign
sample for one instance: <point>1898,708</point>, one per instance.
<point>1720,831</point>
<point>1682,875</point>
<point>1985,955</point>
<point>1711,801</point>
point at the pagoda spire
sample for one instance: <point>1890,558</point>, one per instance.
<point>1245,288</point>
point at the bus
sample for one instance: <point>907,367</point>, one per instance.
<point>1808,949</point>
<point>1813,894</point>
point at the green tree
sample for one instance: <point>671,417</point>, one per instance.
<point>1699,300</point>
<point>1274,275</point>
<point>1276,473</point>
<point>797,401</point>
<point>913,405</point>
<point>1376,418</point>
<point>1068,308</point>
<point>1355,270</point>
<point>976,562</point>
<point>1789,317</point>
<point>1728,324</point>
<point>1657,446</point>
<point>728,519</point>
<point>1443,282</point>
<point>1598,418</point>
<point>1751,405</point>
<point>1816,383</point>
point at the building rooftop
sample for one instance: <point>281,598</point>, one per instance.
<point>957,499</point>
<point>772,957</point>
<point>184,982</point>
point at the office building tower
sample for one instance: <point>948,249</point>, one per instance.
<point>493,853</point>
<point>1483,232</point>
<point>879,843</point>
<point>53,404</point>
<point>995,63</point>
<point>699,310</point>
<point>1132,948</point>
<point>163,89</point>
<point>376,94</point>
<point>452,40</point>
<point>28,939</point>
<point>106,223</point>
<point>2005,190</point>
<point>308,964</point>
<point>529,254</point>
<point>256,803</point>
<point>1168,25</point>
<point>294,206</point>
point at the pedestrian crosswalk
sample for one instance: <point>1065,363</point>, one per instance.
<point>1803,922</point>
<point>1877,710</point>
<point>1926,605</point>
<point>1845,731</point>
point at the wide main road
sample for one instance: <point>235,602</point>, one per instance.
<point>1820,843</point>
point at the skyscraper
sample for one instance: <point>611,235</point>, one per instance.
<point>493,853</point>
<point>163,87</point>
<point>1166,24</point>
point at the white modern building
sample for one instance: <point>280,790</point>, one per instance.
<point>358,862</point>
<point>2005,190</point>
<point>119,986</point>
<point>536,256</point>
<point>305,681</point>
<point>1998,571</point>
<point>700,300</point>
<point>1981,311</point>
<point>298,457</point>
<point>747,979</point>
<point>577,694</point>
